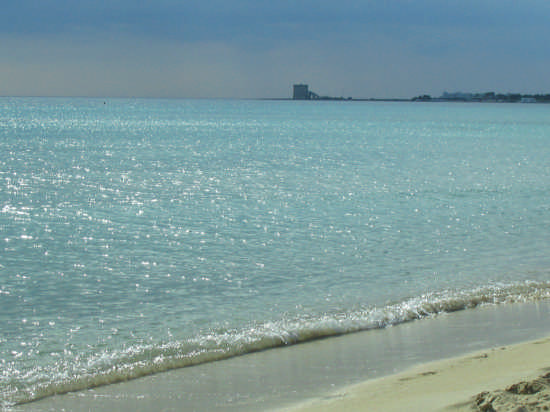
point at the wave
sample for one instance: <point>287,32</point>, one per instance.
<point>142,360</point>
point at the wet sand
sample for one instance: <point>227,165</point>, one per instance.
<point>508,378</point>
<point>423,365</point>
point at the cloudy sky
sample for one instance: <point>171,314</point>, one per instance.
<point>259,48</point>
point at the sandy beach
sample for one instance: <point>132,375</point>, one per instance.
<point>436,364</point>
<point>508,378</point>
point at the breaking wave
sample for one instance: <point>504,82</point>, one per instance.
<point>140,360</point>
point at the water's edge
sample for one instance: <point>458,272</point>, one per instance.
<point>228,344</point>
<point>282,377</point>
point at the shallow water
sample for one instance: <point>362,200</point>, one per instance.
<point>285,377</point>
<point>142,235</point>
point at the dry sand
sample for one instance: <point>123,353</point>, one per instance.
<point>510,378</point>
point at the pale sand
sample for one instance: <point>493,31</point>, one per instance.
<point>510,378</point>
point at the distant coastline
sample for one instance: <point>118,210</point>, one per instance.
<point>339,99</point>
<point>302,92</point>
<point>487,97</point>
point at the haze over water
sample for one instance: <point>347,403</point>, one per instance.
<point>141,235</point>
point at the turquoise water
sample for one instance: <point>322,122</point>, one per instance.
<point>141,235</point>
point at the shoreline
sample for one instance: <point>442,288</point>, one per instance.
<point>302,376</point>
<point>505,377</point>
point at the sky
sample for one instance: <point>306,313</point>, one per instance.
<point>259,48</point>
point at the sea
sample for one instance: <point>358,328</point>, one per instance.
<point>143,235</point>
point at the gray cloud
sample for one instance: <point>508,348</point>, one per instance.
<point>259,48</point>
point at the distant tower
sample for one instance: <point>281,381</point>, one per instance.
<point>301,92</point>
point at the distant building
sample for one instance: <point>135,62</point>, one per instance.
<point>301,92</point>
